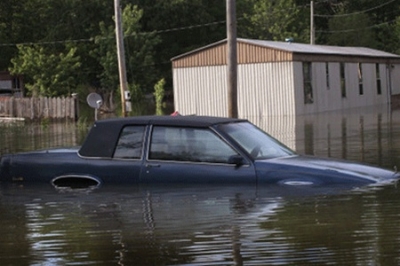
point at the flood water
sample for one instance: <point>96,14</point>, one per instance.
<point>229,225</point>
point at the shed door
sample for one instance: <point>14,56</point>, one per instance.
<point>192,155</point>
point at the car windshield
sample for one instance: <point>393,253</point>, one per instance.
<point>256,142</point>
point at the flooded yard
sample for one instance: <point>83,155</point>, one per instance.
<point>203,225</point>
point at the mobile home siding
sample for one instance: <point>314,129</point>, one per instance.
<point>266,90</point>
<point>327,86</point>
<point>370,87</point>
<point>298,88</point>
<point>335,91</point>
<point>352,94</point>
<point>370,95</point>
<point>263,93</point>
<point>270,78</point>
<point>201,90</point>
<point>205,57</point>
<point>252,54</point>
<point>329,99</point>
<point>395,76</point>
<point>216,55</point>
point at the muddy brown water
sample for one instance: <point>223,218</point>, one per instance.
<point>224,225</point>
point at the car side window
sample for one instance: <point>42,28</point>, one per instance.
<point>130,143</point>
<point>188,144</point>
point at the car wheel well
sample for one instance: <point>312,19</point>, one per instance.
<point>75,181</point>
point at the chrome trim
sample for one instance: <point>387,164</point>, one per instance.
<point>108,158</point>
<point>298,183</point>
<point>154,161</point>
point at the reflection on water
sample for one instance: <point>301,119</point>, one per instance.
<point>212,225</point>
<point>32,136</point>
<point>370,135</point>
<point>198,226</point>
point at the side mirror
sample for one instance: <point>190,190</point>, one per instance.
<point>236,160</point>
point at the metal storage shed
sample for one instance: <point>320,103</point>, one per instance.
<point>284,78</point>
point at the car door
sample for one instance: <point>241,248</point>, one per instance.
<point>193,155</point>
<point>127,159</point>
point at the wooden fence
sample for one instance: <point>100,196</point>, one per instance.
<point>39,108</point>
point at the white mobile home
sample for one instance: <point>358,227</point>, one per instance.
<point>282,78</point>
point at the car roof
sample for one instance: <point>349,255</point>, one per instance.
<point>179,120</point>
<point>104,135</point>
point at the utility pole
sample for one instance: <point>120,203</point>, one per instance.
<point>231,58</point>
<point>312,31</point>
<point>125,95</point>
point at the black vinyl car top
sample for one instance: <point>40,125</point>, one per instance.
<point>197,121</point>
<point>102,138</point>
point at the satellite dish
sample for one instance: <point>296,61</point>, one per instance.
<point>94,100</point>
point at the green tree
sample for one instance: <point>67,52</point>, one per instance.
<point>396,35</point>
<point>156,31</point>
<point>274,20</point>
<point>46,73</point>
<point>159,93</point>
<point>53,24</point>
<point>351,30</point>
<point>383,16</point>
<point>139,54</point>
<point>15,19</point>
<point>182,26</point>
<point>77,22</point>
<point>366,23</point>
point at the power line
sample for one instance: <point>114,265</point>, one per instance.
<point>47,42</point>
<point>358,29</point>
<point>92,39</point>
<point>126,36</point>
<point>355,13</point>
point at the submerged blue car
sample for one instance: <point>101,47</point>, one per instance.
<point>182,149</point>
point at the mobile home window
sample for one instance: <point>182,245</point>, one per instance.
<point>16,83</point>
<point>378,80</point>
<point>307,84</point>
<point>360,80</point>
<point>327,74</point>
<point>343,80</point>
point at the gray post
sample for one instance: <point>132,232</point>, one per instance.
<point>121,55</point>
<point>231,58</point>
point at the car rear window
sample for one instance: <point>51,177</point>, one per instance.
<point>130,143</point>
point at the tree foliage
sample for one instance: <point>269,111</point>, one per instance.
<point>49,74</point>
<point>182,26</point>
<point>139,53</point>
<point>159,94</point>
<point>274,20</point>
<point>60,44</point>
<point>354,30</point>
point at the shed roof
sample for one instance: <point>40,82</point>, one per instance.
<point>319,49</point>
<point>301,48</point>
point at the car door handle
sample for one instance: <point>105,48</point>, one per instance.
<point>151,165</point>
